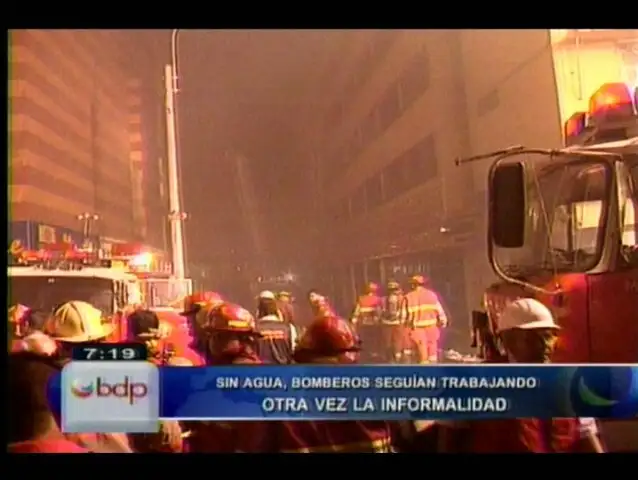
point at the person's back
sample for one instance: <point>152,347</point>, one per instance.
<point>32,426</point>
<point>275,344</point>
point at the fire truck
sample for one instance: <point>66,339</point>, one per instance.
<point>563,228</point>
<point>47,278</point>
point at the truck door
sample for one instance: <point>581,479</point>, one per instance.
<point>614,295</point>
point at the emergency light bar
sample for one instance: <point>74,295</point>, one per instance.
<point>57,258</point>
<point>611,109</point>
<point>611,101</point>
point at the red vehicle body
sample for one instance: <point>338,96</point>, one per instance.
<point>563,228</point>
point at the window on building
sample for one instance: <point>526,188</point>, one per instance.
<point>374,191</point>
<point>421,162</point>
<point>394,178</point>
<point>415,80</point>
<point>389,108</point>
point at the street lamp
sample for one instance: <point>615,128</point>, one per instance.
<point>176,215</point>
<point>87,220</point>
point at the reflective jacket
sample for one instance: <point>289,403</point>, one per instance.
<point>392,309</point>
<point>275,345</point>
<point>421,308</point>
<point>368,310</point>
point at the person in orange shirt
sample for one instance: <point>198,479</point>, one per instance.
<point>423,313</point>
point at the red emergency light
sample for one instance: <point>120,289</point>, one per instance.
<point>611,101</point>
<point>575,125</point>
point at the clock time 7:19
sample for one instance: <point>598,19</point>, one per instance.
<point>112,352</point>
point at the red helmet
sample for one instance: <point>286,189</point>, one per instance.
<point>197,300</point>
<point>328,336</point>
<point>229,317</point>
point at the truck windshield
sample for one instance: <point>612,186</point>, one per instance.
<point>47,293</point>
<point>567,203</point>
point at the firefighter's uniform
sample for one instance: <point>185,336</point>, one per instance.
<point>235,332</point>
<point>367,316</point>
<point>329,340</point>
<point>392,327</point>
<point>423,314</point>
<point>275,345</point>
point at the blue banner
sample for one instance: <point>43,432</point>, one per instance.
<point>304,392</point>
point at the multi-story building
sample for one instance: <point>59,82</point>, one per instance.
<point>71,137</point>
<point>406,104</point>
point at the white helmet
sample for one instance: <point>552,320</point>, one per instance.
<point>526,314</point>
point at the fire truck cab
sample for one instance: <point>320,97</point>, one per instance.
<point>563,227</point>
<point>45,279</point>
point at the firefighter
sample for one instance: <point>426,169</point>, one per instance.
<point>276,343</point>
<point>71,325</point>
<point>393,330</point>
<point>193,304</point>
<point>17,321</point>
<point>423,314</point>
<point>528,333</point>
<point>367,316</point>
<point>146,327</point>
<point>232,338</point>
<point>329,340</point>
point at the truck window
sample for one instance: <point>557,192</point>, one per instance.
<point>567,203</point>
<point>47,293</point>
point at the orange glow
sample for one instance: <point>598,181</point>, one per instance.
<point>611,98</point>
<point>144,259</point>
<point>575,124</point>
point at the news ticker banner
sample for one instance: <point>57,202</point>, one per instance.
<point>128,397</point>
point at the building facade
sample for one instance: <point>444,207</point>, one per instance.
<point>72,135</point>
<point>406,104</point>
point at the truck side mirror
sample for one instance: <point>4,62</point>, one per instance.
<point>507,208</point>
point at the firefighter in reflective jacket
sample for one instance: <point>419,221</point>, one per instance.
<point>329,340</point>
<point>276,342</point>
<point>367,316</point>
<point>423,314</point>
<point>393,330</point>
<point>232,336</point>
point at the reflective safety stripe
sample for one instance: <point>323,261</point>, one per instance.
<point>391,322</point>
<point>425,323</point>
<point>383,445</point>
<point>274,334</point>
<point>424,308</point>
<point>366,309</point>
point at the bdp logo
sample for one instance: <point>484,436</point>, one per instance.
<point>604,392</point>
<point>100,388</point>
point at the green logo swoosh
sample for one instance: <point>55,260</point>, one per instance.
<point>590,398</point>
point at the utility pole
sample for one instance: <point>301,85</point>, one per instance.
<point>176,216</point>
